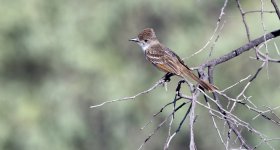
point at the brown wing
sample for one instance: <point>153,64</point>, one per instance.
<point>171,53</point>
<point>186,72</point>
<point>163,59</point>
<point>167,61</point>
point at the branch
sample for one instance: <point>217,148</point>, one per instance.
<point>192,145</point>
<point>276,8</point>
<point>222,13</point>
<point>160,125</point>
<point>164,79</point>
<point>242,49</point>
<point>244,20</point>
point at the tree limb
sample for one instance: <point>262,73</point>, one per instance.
<point>276,8</point>
<point>242,49</point>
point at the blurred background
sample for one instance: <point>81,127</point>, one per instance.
<point>59,57</point>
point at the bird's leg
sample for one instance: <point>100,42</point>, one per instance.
<point>167,77</point>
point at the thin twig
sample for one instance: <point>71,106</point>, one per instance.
<point>276,8</point>
<point>178,129</point>
<point>159,125</point>
<point>258,11</point>
<point>215,30</point>
<point>192,119</point>
<point>241,49</point>
<point>160,82</point>
<point>244,20</point>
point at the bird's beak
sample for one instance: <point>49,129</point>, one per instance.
<point>134,40</point>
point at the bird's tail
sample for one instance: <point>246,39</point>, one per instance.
<point>186,73</point>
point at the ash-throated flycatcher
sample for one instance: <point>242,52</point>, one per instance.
<point>165,59</point>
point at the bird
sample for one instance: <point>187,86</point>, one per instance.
<point>165,59</point>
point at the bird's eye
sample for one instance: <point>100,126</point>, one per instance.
<point>145,40</point>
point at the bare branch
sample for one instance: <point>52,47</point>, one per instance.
<point>244,20</point>
<point>170,137</point>
<point>258,11</point>
<point>158,83</point>
<point>233,125</point>
<point>159,126</point>
<point>222,12</point>
<point>241,49</point>
<point>276,8</point>
<point>192,119</point>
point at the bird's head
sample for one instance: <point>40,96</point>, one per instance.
<point>146,38</point>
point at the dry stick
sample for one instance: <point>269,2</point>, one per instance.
<point>241,49</point>
<point>247,125</point>
<point>236,139</point>
<point>256,74</point>
<point>178,96</point>
<point>217,38</point>
<point>231,125</point>
<point>269,59</point>
<point>159,125</point>
<point>262,113</point>
<point>233,54</point>
<point>245,87</point>
<point>258,11</point>
<point>229,118</point>
<point>217,61</point>
<point>248,99</point>
<point>215,30</point>
<point>214,122</point>
<point>238,52</point>
<point>158,83</point>
<point>222,111</point>
<point>177,93</point>
<point>266,140</point>
<point>266,58</point>
<point>231,86</point>
<point>249,107</point>
<point>271,111</point>
<point>245,25</point>
<point>262,136</point>
<point>276,47</point>
<point>166,146</point>
<point>195,94</point>
<point>192,119</point>
<point>169,134</point>
<point>156,114</point>
<point>212,62</point>
<point>276,8</point>
<point>211,80</point>
<point>235,121</point>
<point>265,42</point>
<point>244,20</point>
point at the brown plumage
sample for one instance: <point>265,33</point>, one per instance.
<point>147,33</point>
<point>165,59</point>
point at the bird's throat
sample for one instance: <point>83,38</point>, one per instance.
<point>145,47</point>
